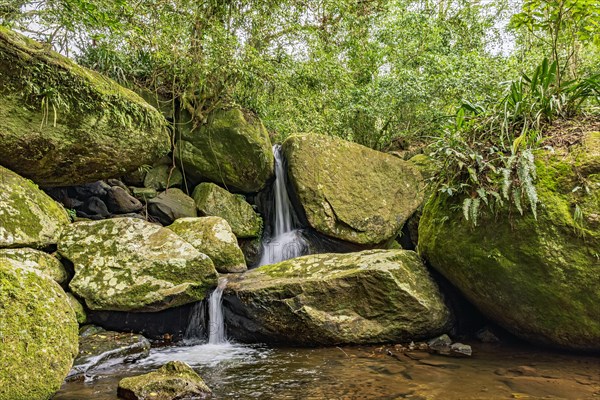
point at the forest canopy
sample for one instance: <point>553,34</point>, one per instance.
<point>476,81</point>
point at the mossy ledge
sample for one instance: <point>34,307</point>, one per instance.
<point>63,124</point>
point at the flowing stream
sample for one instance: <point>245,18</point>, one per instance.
<point>286,240</point>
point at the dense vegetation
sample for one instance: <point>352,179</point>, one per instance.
<point>378,72</point>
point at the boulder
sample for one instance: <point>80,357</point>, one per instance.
<point>538,279</point>
<point>143,194</point>
<point>28,216</point>
<point>372,296</point>
<point>66,125</point>
<point>127,264</point>
<point>104,348</point>
<point>351,192</point>
<point>43,262</point>
<point>171,205</point>
<point>38,334</point>
<point>121,202</point>
<point>233,149</point>
<point>213,237</point>
<point>212,200</point>
<point>174,380</point>
<point>162,176</point>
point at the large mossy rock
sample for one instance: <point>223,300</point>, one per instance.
<point>213,237</point>
<point>233,148</point>
<point>174,380</point>
<point>62,124</point>
<point>28,216</point>
<point>38,334</point>
<point>372,296</point>
<point>539,279</point>
<point>36,259</point>
<point>212,200</point>
<point>127,264</point>
<point>349,191</point>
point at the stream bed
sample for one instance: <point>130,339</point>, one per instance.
<point>235,371</point>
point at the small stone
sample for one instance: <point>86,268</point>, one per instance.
<point>440,344</point>
<point>460,350</point>
<point>485,335</point>
<point>174,380</point>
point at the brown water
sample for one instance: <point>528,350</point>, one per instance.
<point>254,372</point>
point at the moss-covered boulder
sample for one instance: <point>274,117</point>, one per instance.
<point>171,205</point>
<point>65,125</point>
<point>128,264</point>
<point>349,191</point>
<point>38,334</point>
<point>174,380</point>
<point>28,216</point>
<point>43,262</point>
<point>372,296</point>
<point>233,148</point>
<point>212,200</point>
<point>539,279</point>
<point>213,237</point>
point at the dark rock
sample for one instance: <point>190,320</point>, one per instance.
<point>98,189</point>
<point>117,182</point>
<point>170,205</point>
<point>97,349</point>
<point>121,202</point>
<point>485,335</point>
<point>96,207</point>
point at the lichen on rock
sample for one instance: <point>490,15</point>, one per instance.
<point>128,264</point>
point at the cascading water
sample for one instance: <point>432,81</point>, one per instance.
<point>286,240</point>
<point>196,330</point>
<point>216,327</point>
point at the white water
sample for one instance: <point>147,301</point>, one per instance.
<point>216,327</point>
<point>285,242</point>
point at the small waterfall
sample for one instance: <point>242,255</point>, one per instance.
<point>196,331</point>
<point>216,327</point>
<point>286,240</point>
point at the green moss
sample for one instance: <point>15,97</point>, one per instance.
<point>368,297</point>
<point>28,217</point>
<point>232,149</point>
<point>38,334</point>
<point>65,124</point>
<point>212,200</point>
<point>538,279</point>
<point>351,192</point>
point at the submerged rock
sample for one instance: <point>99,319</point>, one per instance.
<point>538,279</point>
<point>349,191</point>
<point>28,216</point>
<point>102,349</point>
<point>323,299</point>
<point>233,148</point>
<point>63,124</point>
<point>38,334</point>
<point>171,205</point>
<point>213,200</point>
<point>36,259</point>
<point>127,264</point>
<point>174,380</point>
<point>213,237</point>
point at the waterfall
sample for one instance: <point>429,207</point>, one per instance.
<point>196,330</point>
<point>216,327</point>
<point>286,240</point>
